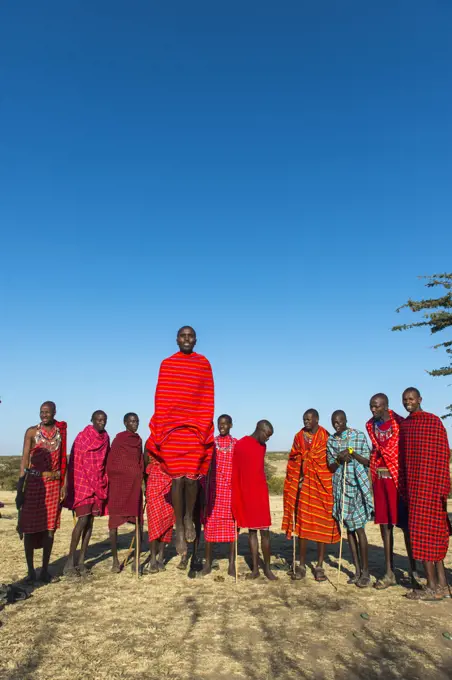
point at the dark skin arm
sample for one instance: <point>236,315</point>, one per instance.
<point>25,462</point>
<point>342,457</point>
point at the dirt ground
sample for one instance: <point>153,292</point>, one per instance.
<point>170,626</point>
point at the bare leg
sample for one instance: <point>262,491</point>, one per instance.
<point>231,567</point>
<point>442,580</point>
<point>160,558</point>
<point>208,559</point>
<point>46,552</point>
<point>154,549</point>
<point>254,549</point>
<point>79,528</point>
<point>430,572</point>
<point>303,547</point>
<point>353,543</point>
<point>364,579</point>
<point>86,536</point>
<point>29,554</point>
<point>177,498</point>
<point>266,552</point>
<point>114,551</point>
<point>136,565</point>
<point>321,547</point>
<point>409,552</point>
<point>387,536</point>
<point>191,492</point>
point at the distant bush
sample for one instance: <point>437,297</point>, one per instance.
<point>276,486</point>
<point>269,470</point>
<point>9,472</point>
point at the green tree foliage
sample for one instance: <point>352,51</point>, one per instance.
<point>438,316</point>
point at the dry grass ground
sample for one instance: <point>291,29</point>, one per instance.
<point>171,627</point>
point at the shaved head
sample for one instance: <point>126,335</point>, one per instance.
<point>186,328</point>
<point>381,395</point>
<point>50,404</point>
<point>313,412</point>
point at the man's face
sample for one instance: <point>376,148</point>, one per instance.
<point>99,421</point>
<point>186,340</point>
<point>132,423</point>
<point>411,401</point>
<point>378,407</point>
<point>310,421</point>
<point>264,434</point>
<point>339,422</point>
<point>224,426</point>
<point>47,414</point>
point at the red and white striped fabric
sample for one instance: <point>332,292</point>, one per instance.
<point>219,525</point>
<point>159,510</point>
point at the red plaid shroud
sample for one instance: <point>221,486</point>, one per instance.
<point>219,525</point>
<point>159,510</point>
<point>389,451</point>
<point>424,456</point>
<point>87,479</point>
<point>41,510</point>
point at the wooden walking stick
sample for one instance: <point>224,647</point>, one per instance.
<point>294,556</point>
<point>138,547</point>
<point>236,553</point>
<point>342,522</point>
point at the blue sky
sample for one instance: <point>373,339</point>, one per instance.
<point>275,174</point>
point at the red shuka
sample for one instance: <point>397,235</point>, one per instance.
<point>181,438</point>
<point>125,467</point>
<point>159,510</point>
<point>425,455</point>
<point>250,500</point>
<point>87,478</point>
<point>41,510</point>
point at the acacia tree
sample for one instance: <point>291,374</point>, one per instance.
<point>438,317</point>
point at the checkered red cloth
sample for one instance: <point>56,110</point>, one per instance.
<point>159,510</point>
<point>219,525</point>
<point>41,509</point>
<point>424,456</point>
<point>389,450</point>
<point>87,478</point>
<point>181,438</point>
<point>125,467</point>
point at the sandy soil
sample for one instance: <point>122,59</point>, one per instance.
<point>170,626</point>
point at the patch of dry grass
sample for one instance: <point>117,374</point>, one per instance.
<point>168,626</point>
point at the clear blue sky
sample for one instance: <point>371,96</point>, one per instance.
<point>274,174</point>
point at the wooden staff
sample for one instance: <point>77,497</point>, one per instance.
<point>138,546</point>
<point>342,522</point>
<point>294,557</point>
<point>236,554</point>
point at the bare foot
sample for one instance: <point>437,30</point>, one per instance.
<point>353,580</point>
<point>69,569</point>
<point>115,567</point>
<point>300,573</point>
<point>45,577</point>
<point>30,579</point>
<point>253,575</point>
<point>161,565</point>
<point>269,574</point>
<point>207,568</point>
<point>181,544</point>
<point>83,570</point>
<point>231,569</point>
<point>183,564</point>
<point>190,529</point>
<point>153,567</point>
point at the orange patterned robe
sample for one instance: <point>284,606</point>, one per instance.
<point>313,502</point>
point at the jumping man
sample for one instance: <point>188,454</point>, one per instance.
<point>181,438</point>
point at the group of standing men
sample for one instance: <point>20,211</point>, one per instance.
<point>193,477</point>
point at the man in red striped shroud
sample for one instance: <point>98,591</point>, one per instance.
<point>181,438</point>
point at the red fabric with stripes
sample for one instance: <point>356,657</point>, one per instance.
<point>125,468</point>
<point>159,511</point>
<point>41,510</point>
<point>181,437</point>
<point>87,478</point>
